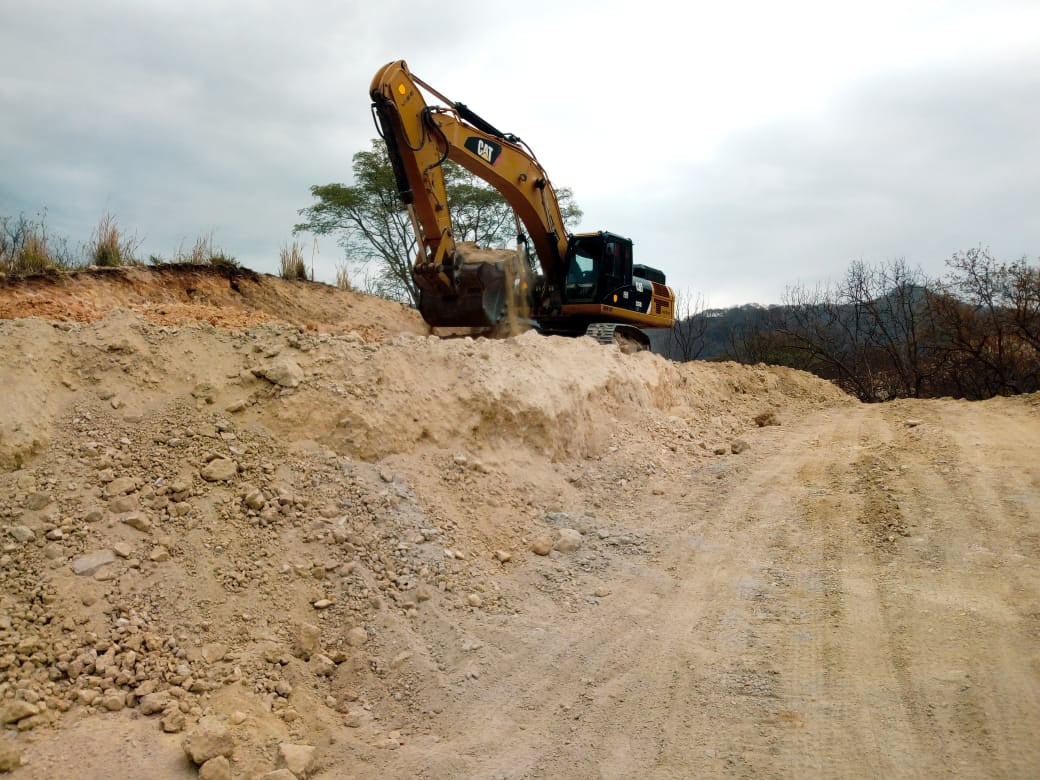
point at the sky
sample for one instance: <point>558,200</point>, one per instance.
<point>744,146</point>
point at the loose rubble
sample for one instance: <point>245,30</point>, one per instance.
<point>267,538</point>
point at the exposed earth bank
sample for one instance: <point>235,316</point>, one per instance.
<point>271,530</point>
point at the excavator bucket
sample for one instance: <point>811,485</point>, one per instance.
<point>478,300</point>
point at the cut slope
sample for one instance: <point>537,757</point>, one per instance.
<point>225,296</point>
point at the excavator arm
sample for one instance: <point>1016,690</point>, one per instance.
<point>419,138</point>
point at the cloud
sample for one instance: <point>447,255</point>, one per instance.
<point>742,150</point>
<point>915,165</point>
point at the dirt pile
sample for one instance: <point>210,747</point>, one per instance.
<point>300,534</point>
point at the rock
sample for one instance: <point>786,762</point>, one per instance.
<point>213,652</point>
<point>218,768</point>
<point>21,533</point>
<point>718,450</point>
<point>122,549</point>
<point>137,521</point>
<point>502,556</point>
<point>236,406</point>
<point>173,722</point>
<point>283,372</point>
<point>10,756</point>
<point>255,499</point>
<point>123,504</point>
<point>120,487</point>
<point>159,554</point>
<point>357,636</point>
<point>180,509</point>
<point>154,703</point>
<point>569,540</point>
<point>308,639</point>
<point>323,666</point>
<point>85,565</point>
<point>323,603</point>
<point>211,738</point>
<point>738,446</point>
<point>237,718</point>
<point>912,423</point>
<point>602,592</point>
<point>474,600</point>
<point>298,759</point>
<point>386,474</point>
<point>37,501</point>
<point>542,545</point>
<point>16,710</point>
<point>114,701</point>
<point>219,470</point>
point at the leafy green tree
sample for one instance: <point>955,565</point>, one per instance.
<point>376,234</point>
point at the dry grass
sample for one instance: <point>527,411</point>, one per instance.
<point>199,252</point>
<point>35,255</point>
<point>291,262</point>
<point>25,247</point>
<point>109,247</point>
<point>343,277</point>
<point>202,252</point>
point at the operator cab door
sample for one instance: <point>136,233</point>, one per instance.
<point>583,264</point>
<point>617,265</point>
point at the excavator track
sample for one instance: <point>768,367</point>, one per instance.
<point>628,337</point>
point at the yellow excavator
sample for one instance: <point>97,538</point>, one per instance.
<point>587,284</point>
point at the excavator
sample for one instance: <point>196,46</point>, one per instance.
<point>582,284</point>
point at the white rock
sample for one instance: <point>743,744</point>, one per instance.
<point>85,565</point>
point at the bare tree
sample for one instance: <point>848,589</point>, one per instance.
<point>686,338</point>
<point>989,322</point>
<point>866,332</point>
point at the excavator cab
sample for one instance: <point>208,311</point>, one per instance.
<point>598,265</point>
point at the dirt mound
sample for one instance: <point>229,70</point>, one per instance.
<point>301,529</point>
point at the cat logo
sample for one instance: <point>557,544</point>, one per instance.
<point>488,151</point>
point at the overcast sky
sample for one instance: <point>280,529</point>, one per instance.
<point>743,146</point>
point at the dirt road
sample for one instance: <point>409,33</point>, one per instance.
<point>860,598</point>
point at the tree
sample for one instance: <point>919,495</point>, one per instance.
<point>376,234</point>
<point>869,333</point>
<point>686,338</point>
<point>989,321</point>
